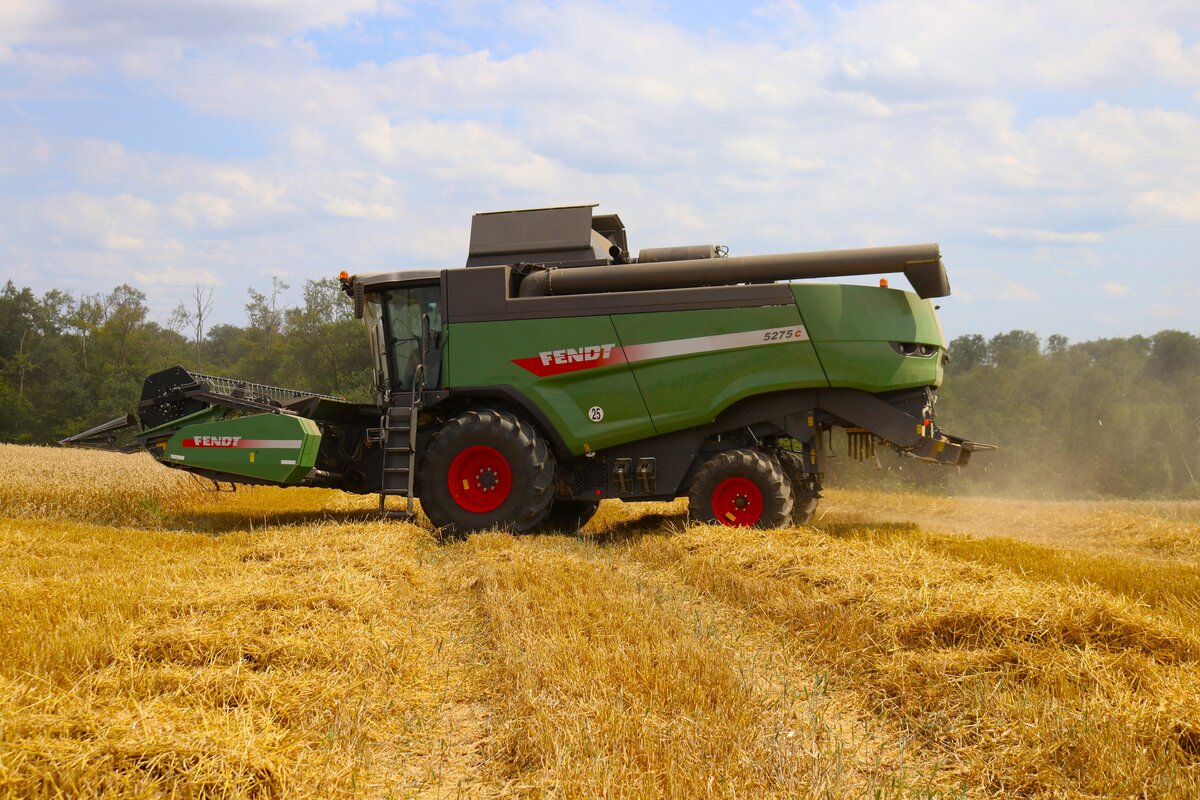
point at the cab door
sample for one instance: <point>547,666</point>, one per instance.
<point>405,327</point>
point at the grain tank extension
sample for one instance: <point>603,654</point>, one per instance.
<point>557,370</point>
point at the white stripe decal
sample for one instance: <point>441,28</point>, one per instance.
<point>706,344</point>
<point>549,363</point>
<point>176,457</point>
<point>287,461</point>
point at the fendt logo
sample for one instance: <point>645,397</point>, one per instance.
<point>571,359</point>
<point>571,355</point>
<point>212,441</point>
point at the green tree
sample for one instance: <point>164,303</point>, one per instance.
<point>1009,349</point>
<point>326,344</point>
<point>968,352</point>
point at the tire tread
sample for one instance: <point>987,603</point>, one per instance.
<point>499,425</point>
<point>756,465</point>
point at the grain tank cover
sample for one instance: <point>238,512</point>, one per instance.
<point>568,236</point>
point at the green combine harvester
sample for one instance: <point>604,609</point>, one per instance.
<point>555,371</point>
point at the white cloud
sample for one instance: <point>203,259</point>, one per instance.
<point>1058,237</point>
<point>879,123</point>
<point>201,209</point>
<point>24,152</point>
<point>1017,292</point>
<point>176,277</point>
<point>1023,43</point>
<point>1066,260</point>
<point>119,222</point>
<point>787,14</point>
<point>457,152</point>
<point>1114,289</point>
<point>82,24</point>
<point>17,19</point>
<point>1171,313</point>
<point>1176,205</point>
<point>355,209</point>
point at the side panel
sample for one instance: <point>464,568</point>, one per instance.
<point>273,447</point>
<point>691,365</point>
<point>852,328</point>
<point>565,367</point>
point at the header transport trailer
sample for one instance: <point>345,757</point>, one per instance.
<point>556,371</point>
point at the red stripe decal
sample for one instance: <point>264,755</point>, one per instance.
<point>572,359</point>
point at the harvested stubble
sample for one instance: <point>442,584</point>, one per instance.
<point>299,647</point>
<point>1165,529</point>
<point>1005,687</point>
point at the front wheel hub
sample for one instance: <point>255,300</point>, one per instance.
<point>737,502</point>
<point>479,479</point>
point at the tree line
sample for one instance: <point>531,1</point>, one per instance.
<point>1111,417</point>
<point>68,363</point>
<point>1105,418</point>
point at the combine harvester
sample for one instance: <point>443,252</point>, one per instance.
<point>555,371</point>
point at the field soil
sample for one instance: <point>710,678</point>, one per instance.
<point>160,639</point>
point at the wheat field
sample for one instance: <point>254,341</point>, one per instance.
<point>161,640</point>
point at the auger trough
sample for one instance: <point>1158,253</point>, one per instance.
<point>556,370</point>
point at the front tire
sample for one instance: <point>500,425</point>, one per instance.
<point>486,469</point>
<point>741,489</point>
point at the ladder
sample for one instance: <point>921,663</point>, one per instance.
<point>398,429</point>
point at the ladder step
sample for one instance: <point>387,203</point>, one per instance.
<point>399,459</point>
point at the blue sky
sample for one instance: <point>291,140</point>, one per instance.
<point>1052,148</point>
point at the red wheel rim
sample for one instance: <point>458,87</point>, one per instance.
<point>480,479</point>
<point>737,502</point>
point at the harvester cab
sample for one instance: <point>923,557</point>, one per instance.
<point>557,370</point>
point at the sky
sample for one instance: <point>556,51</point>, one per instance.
<point>1051,148</point>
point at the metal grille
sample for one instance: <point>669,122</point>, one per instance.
<point>239,388</point>
<point>584,475</point>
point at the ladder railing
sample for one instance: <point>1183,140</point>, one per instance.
<point>398,429</point>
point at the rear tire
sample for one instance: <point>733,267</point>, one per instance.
<point>740,489</point>
<point>803,489</point>
<point>568,516</point>
<point>486,469</point>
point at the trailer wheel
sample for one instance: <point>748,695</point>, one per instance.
<point>803,487</point>
<point>486,469</point>
<point>741,489</point>
<point>568,516</point>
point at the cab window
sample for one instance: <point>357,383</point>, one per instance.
<point>403,312</point>
<point>376,335</point>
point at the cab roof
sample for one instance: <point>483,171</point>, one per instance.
<point>378,280</point>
